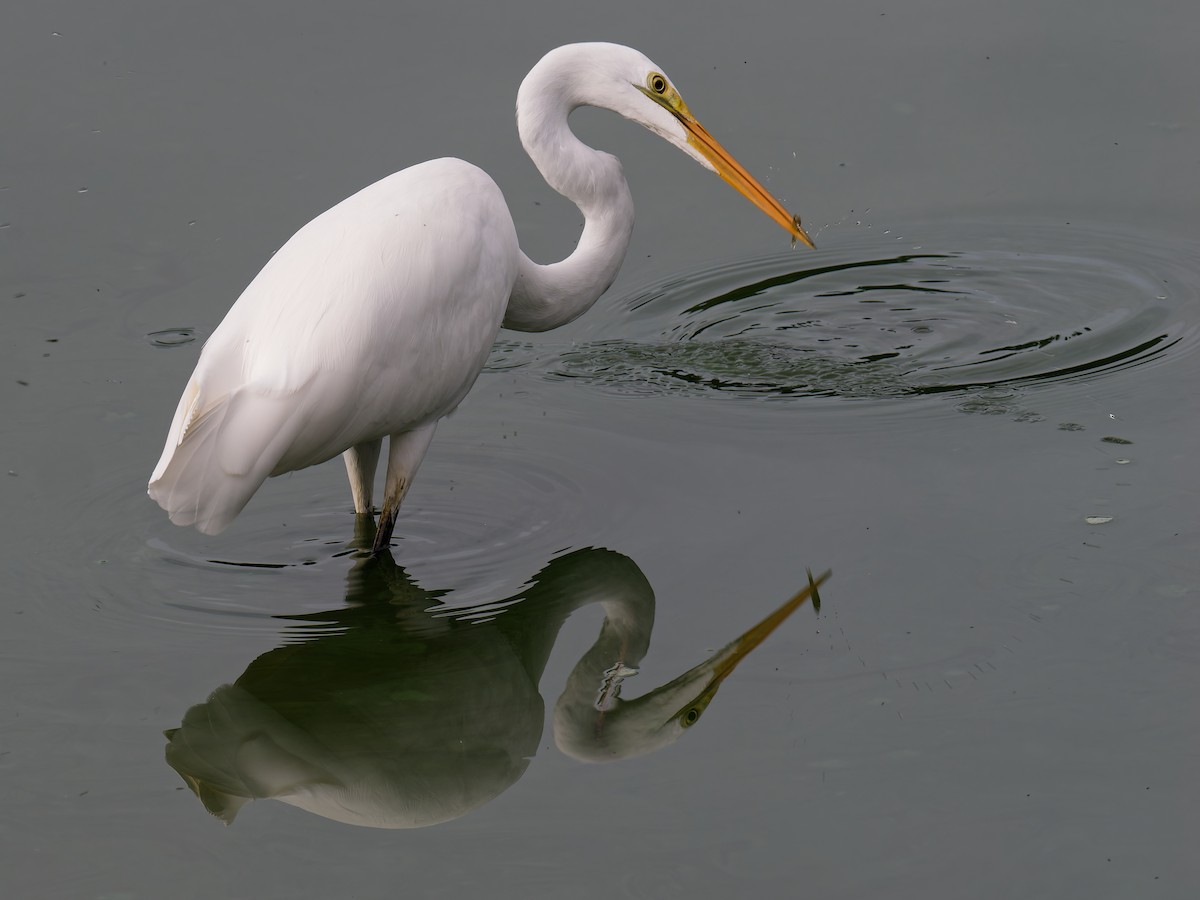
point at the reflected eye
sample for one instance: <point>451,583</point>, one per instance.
<point>656,83</point>
<point>690,717</point>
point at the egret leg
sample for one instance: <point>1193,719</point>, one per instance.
<point>361,460</point>
<point>405,452</point>
<point>364,532</point>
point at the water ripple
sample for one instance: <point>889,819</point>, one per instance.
<point>474,532</point>
<point>972,309</point>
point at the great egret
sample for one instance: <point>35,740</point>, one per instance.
<point>376,317</point>
<point>394,711</point>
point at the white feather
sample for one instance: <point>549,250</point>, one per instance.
<point>347,335</point>
<point>376,317</point>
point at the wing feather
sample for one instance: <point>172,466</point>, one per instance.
<point>374,318</point>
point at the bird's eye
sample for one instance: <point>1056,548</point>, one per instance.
<point>656,83</point>
<point>690,717</point>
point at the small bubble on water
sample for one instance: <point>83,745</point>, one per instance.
<point>171,337</point>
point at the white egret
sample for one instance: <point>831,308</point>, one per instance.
<point>376,317</point>
<point>394,711</point>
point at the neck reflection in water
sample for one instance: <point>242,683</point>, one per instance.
<point>391,714</point>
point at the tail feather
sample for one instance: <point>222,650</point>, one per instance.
<point>219,453</point>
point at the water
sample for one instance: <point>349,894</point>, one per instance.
<point>1018,306</point>
<point>974,403</point>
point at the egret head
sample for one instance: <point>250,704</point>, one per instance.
<point>614,728</point>
<point>625,81</point>
<point>602,726</point>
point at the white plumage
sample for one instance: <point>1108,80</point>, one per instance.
<point>376,317</point>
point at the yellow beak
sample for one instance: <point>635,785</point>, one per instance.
<point>718,667</point>
<point>737,650</point>
<point>731,170</point>
<point>727,167</point>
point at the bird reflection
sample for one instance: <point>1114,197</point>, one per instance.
<point>394,712</point>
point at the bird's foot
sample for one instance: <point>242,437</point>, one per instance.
<point>383,533</point>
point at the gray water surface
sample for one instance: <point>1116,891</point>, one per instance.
<point>975,403</point>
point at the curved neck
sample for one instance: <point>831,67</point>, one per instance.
<point>545,297</point>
